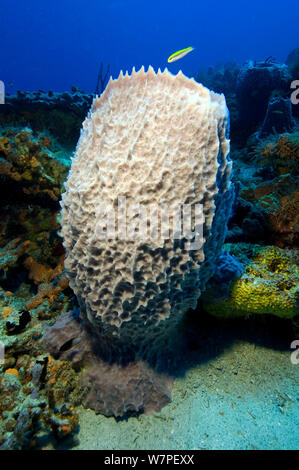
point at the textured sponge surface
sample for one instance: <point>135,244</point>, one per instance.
<point>151,140</point>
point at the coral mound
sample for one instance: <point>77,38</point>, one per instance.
<point>267,285</point>
<point>154,139</point>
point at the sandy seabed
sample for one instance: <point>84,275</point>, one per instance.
<point>247,397</point>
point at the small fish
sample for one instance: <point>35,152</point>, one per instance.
<point>277,111</point>
<point>179,54</point>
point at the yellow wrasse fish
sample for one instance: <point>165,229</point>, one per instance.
<point>179,54</point>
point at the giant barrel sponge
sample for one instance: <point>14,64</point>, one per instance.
<point>151,140</point>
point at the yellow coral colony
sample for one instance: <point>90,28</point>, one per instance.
<point>269,285</point>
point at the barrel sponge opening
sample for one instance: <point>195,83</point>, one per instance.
<point>153,139</point>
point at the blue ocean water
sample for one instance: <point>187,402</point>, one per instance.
<point>57,44</point>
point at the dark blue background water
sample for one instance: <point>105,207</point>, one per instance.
<point>55,44</point>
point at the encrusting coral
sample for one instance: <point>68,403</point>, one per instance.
<point>282,152</point>
<point>34,403</point>
<point>278,199</point>
<point>29,163</point>
<point>33,289</point>
<point>271,185</point>
<point>268,284</point>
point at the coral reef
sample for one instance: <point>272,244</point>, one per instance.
<point>32,264</point>
<point>36,391</point>
<point>268,283</point>
<point>255,84</point>
<point>257,95</point>
<point>266,177</point>
<point>273,187</point>
<point>281,153</point>
<point>33,407</point>
<point>33,289</point>
<point>221,79</point>
<point>53,361</point>
<point>278,117</point>
<point>248,223</point>
<point>278,199</point>
<point>61,114</point>
<point>27,161</point>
